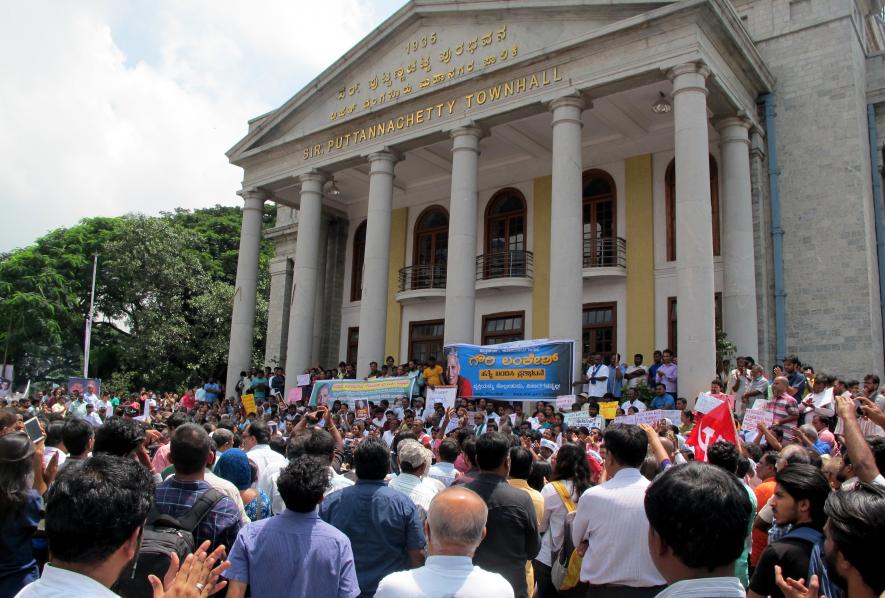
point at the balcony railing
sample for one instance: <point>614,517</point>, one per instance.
<point>415,278</point>
<point>505,264</point>
<point>603,252</point>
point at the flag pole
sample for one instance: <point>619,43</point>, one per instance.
<point>88,340</point>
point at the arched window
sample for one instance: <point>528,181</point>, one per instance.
<point>505,235</point>
<point>600,212</point>
<point>670,184</point>
<point>359,253</point>
<point>431,250</point>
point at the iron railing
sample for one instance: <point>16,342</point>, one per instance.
<point>516,263</point>
<point>413,278</point>
<point>602,252</point>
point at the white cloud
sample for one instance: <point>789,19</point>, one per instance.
<point>86,130</point>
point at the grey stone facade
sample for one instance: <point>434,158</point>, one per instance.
<point>817,52</point>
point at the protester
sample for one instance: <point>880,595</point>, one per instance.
<point>235,467</point>
<point>414,461</point>
<point>256,439</point>
<point>383,525</point>
<point>95,513</point>
<point>571,478</point>
<point>444,469</point>
<point>512,532</point>
<point>611,520</point>
<point>521,461</point>
<point>693,548</point>
<point>294,553</point>
<point>798,500</point>
<point>456,524</point>
<point>176,495</point>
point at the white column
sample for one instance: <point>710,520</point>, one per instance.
<point>319,321</point>
<point>739,293</point>
<point>696,335</point>
<point>566,248</point>
<point>305,276</point>
<point>461,265</point>
<point>242,321</point>
<point>376,263</point>
<point>278,310</point>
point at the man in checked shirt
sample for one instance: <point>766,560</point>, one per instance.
<point>189,453</point>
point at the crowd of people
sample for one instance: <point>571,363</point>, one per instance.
<point>483,498</point>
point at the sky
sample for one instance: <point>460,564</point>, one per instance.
<point>120,106</point>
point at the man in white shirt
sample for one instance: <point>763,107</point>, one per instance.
<point>611,522</point>
<point>454,528</point>
<point>703,564</point>
<point>596,377</point>
<point>90,397</point>
<point>737,383</point>
<point>255,442</point>
<point>637,373</point>
<point>317,443</point>
<point>630,400</point>
<point>819,401</point>
<point>444,469</point>
<point>413,464</point>
<point>91,416</point>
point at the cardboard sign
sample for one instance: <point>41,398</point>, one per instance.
<point>294,395</point>
<point>752,417</point>
<point>626,419</point>
<point>361,409</point>
<point>303,379</point>
<point>249,404</point>
<point>760,404</point>
<point>608,409</point>
<point>564,403</point>
<point>706,403</point>
<point>442,394</point>
<point>579,419</point>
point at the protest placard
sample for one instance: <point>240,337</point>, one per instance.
<point>577,419</point>
<point>347,391</point>
<point>521,370</point>
<point>706,403</point>
<point>442,394</point>
<point>674,415</point>
<point>752,417</point>
<point>626,419</point>
<point>249,404</point>
<point>760,404</point>
<point>294,395</point>
<point>608,409</point>
<point>361,409</point>
<point>649,416</point>
<point>303,379</point>
<point>564,403</point>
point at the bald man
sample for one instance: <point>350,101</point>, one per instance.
<point>454,528</point>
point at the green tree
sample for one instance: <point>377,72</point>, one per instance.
<point>163,298</point>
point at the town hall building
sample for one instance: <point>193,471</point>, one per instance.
<point>633,175</point>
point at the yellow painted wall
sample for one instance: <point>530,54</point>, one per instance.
<point>398,230</point>
<point>640,316</point>
<point>541,239</point>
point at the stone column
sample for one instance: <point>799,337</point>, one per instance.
<point>461,265</point>
<point>739,294</point>
<point>566,259</point>
<point>319,321</point>
<point>696,335</point>
<point>305,276</point>
<point>278,310</point>
<point>242,321</point>
<point>376,263</point>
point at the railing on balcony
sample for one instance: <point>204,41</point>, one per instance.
<point>415,278</point>
<point>505,264</point>
<point>603,252</point>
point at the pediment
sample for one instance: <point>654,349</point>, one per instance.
<point>426,47</point>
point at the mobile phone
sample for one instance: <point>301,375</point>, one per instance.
<point>32,427</point>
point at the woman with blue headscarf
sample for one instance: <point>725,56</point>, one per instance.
<point>235,467</point>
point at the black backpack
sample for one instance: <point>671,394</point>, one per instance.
<point>164,534</point>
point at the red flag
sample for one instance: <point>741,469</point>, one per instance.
<point>718,424</point>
